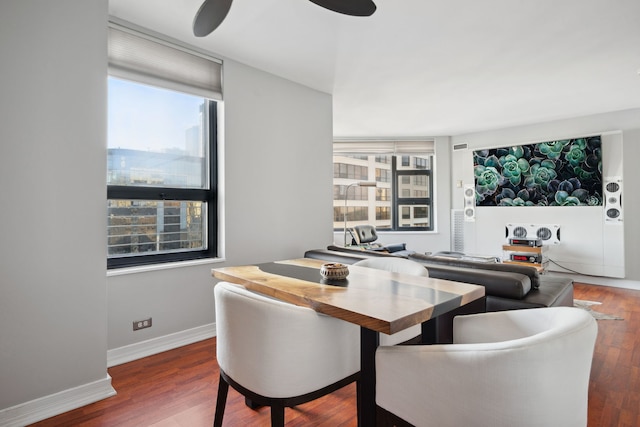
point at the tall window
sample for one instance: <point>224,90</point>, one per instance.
<point>401,199</point>
<point>161,156</point>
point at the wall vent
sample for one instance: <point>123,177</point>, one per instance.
<point>457,230</point>
<point>460,146</point>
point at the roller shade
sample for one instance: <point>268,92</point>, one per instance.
<point>384,147</point>
<point>148,60</point>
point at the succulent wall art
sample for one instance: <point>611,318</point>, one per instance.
<point>566,172</point>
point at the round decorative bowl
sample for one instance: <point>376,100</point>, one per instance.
<point>334,271</point>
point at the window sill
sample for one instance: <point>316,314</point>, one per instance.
<point>162,266</point>
<point>383,232</point>
<point>390,233</point>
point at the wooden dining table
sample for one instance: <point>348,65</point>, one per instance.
<point>378,301</point>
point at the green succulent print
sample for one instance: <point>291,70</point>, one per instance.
<point>565,172</point>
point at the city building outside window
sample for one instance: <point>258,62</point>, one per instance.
<point>402,199</point>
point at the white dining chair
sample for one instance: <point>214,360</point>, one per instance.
<point>397,265</point>
<point>279,354</point>
<point>525,368</point>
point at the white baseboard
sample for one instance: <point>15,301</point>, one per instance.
<point>127,353</point>
<point>55,404</point>
<point>605,281</point>
<point>602,281</point>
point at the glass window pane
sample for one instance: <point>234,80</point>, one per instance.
<point>413,216</point>
<point>137,227</point>
<point>413,186</point>
<point>157,137</point>
<point>420,212</point>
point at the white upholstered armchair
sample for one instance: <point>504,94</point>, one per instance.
<point>520,368</point>
<point>278,354</point>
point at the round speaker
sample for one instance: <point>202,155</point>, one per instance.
<point>613,187</point>
<point>544,233</point>
<point>520,232</point>
<point>613,213</point>
<point>468,213</point>
<point>468,192</point>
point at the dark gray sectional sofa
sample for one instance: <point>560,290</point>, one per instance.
<point>507,286</point>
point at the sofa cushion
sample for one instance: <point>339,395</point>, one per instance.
<point>503,284</point>
<point>553,292</point>
<point>532,273</point>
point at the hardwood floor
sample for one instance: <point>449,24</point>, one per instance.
<point>614,391</point>
<point>177,388</point>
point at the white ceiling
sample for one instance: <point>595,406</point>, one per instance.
<point>430,67</point>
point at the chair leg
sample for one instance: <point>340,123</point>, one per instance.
<point>277,415</point>
<point>221,402</point>
<point>385,418</point>
<point>251,404</point>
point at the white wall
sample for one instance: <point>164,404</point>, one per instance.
<point>589,245</point>
<point>53,310</point>
<point>277,203</point>
<point>279,166</point>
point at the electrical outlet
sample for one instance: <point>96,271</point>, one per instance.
<point>141,324</point>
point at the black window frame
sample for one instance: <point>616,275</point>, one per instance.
<point>209,196</point>
<point>398,201</point>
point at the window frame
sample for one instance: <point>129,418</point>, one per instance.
<point>410,201</point>
<point>208,196</point>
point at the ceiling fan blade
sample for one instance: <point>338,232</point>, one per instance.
<point>210,16</point>
<point>348,7</point>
